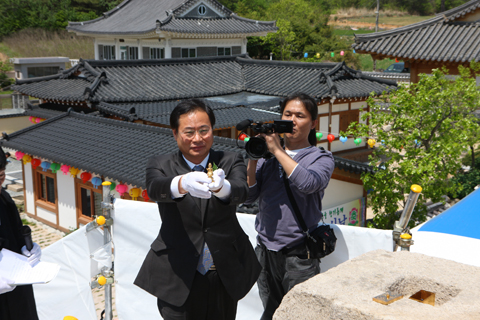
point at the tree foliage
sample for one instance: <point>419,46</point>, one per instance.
<point>423,134</point>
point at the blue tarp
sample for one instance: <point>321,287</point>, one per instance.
<point>462,219</point>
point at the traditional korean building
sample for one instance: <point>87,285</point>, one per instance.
<point>158,29</point>
<point>450,39</point>
<point>106,118</point>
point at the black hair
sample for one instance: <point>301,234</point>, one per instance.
<point>3,160</point>
<point>310,104</point>
<point>188,106</point>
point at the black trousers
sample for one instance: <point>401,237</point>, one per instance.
<point>281,271</point>
<point>207,300</point>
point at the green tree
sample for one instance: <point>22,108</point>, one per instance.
<point>423,134</point>
<point>282,42</point>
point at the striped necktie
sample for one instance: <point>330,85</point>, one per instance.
<point>205,262</point>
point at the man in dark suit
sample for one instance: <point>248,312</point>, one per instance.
<point>202,261</point>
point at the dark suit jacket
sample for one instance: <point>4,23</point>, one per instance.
<point>188,222</point>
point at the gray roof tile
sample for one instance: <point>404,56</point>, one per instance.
<point>440,38</point>
<point>171,79</point>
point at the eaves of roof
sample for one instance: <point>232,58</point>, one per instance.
<point>352,166</point>
<point>80,140</point>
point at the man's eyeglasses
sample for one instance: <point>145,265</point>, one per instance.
<point>190,133</point>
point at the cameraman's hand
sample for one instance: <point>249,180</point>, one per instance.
<point>196,183</point>
<point>273,142</point>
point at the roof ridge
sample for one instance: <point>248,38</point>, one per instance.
<point>417,25</point>
<point>256,21</point>
<point>38,79</point>
<point>460,8</point>
<point>45,122</point>
<point>189,3</point>
<point>294,64</point>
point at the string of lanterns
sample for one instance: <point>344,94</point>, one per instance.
<point>318,55</point>
<point>35,119</point>
<point>85,176</point>
<point>330,137</point>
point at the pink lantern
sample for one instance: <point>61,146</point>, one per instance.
<point>65,169</point>
<point>19,155</point>
<point>38,120</point>
<point>121,188</point>
<point>342,53</point>
<point>31,119</point>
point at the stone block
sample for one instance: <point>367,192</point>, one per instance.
<point>347,291</point>
<point>15,187</point>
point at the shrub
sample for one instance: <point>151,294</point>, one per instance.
<point>466,183</point>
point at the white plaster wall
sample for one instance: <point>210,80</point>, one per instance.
<point>340,192</point>
<point>323,108</point>
<point>323,126</point>
<point>335,125</point>
<point>337,145</point>
<point>340,107</point>
<point>67,213</point>
<point>359,105</point>
<point>47,215</point>
<point>28,185</point>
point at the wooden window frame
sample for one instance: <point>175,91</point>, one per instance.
<point>39,201</point>
<point>82,219</point>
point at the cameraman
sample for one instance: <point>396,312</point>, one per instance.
<point>281,242</point>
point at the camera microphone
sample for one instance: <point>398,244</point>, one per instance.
<point>243,124</point>
<point>27,235</point>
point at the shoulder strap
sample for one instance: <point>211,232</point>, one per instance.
<point>301,222</point>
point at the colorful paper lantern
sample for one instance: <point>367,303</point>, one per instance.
<point>38,120</point>
<point>358,141</point>
<point>35,163</point>
<point>26,159</point>
<point>85,176</point>
<point>343,139</point>
<point>317,55</point>
<point>319,136</point>
<point>247,139</point>
<point>54,167</point>
<point>305,55</point>
<point>396,60</point>
<point>135,193</point>
<point>112,186</point>
<point>354,51</point>
<point>74,171</point>
<point>371,142</point>
<point>242,136</point>
<point>96,182</point>
<point>145,195</point>
<point>65,169</point>
<point>330,137</point>
<point>121,188</point>
<point>45,165</point>
<point>19,155</point>
<point>342,53</point>
<point>332,54</point>
<point>31,119</point>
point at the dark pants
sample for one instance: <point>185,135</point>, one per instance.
<point>207,300</point>
<point>281,271</point>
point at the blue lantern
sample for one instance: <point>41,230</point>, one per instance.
<point>45,165</point>
<point>96,182</point>
<point>343,139</point>
<point>305,55</point>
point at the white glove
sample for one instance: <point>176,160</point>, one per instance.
<point>196,183</point>
<point>218,179</point>
<point>33,255</point>
<point>4,285</point>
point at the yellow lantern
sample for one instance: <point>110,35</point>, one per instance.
<point>26,159</point>
<point>134,193</point>
<point>371,142</point>
<point>74,171</point>
<point>317,55</point>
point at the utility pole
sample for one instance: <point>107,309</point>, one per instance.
<point>376,30</point>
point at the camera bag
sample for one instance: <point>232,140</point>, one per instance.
<point>322,240</point>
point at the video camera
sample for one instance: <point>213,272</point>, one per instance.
<point>256,147</point>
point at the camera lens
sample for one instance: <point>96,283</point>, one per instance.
<point>256,148</point>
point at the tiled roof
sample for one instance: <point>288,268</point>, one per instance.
<point>441,38</point>
<point>227,115</point>
<point>114,149</point>
<point>138,17</point>
<point>352,166</point>
<point>230,25</point>
<point>121,81</point>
